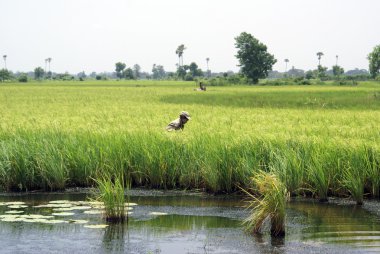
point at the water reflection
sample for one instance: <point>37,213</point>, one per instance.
<point>114,238</point>
<point>192,224</point>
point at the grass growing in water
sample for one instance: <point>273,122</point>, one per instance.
<point>269,204</point>
<point>111,193</point>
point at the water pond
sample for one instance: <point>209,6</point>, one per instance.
<point>68,223</point>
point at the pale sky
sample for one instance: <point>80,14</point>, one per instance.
<point>92,35</point>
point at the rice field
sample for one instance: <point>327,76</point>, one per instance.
<point>55,135</point>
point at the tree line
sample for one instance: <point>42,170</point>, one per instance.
<point>255,63</point>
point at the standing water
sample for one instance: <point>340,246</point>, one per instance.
<point>68,223</point>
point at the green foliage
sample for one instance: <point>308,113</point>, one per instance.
<point>374,61</point>
<point>128,74</point>
<point>321,72</point>
<point>254,60</point>
<point>158,72</point>
<point>309,75</point>
<point>136,71</point>
<point>337,70</point>
<point>119,68</point>
<point>23,78</point>
<point>5,75</point>
<point>39,73</point>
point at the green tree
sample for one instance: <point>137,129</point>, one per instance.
<point>181,72</point>
<point>309,74</point>
<point>136,71</point>
<point>119,69</point>
<point>158,71</point>
<point>337,70</point>
<point>39,73</point>
<point>128,74</point>
<point>5,61</point>
<point>194,70</point>
<point>254,60</point>
<point>5,75</point>
<point>286,64</point>
<point>321,71</point>
<point>23,78</point>
<point>319,54</point>
<point>374,61</point>
<point>179,51</point>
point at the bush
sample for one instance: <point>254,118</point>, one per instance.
<point>23,78</point>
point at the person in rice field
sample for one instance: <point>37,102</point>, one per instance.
<point>180,122</point>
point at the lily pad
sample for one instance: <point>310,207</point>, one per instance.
<point>63,214</point>
<point>35,216</point>
<point>81,207</point>
<point>53,205</point>
<point>12,219</point>
<point>79,221</point>
<point>17,206</point>
<point>60,202</point>
<point>130,204</point>
<point>96,226</point>
<point>15,203</point>
<point>93,212</point>
<point>14,212</point>
<point>157,213</point>
<point>63,209</point>
<point>54,221</point>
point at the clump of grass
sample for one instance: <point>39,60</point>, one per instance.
<point>319,178</point>
<point>289,167</point>
<point>372,166</point>
<point>111,193</point>
<point>353,181</point>
<point>269,204</point>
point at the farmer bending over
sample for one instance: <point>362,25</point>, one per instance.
<point>180,122</point>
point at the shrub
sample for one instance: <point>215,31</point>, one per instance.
<point>23,78</point>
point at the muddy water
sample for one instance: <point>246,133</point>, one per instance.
<point>191,224</point>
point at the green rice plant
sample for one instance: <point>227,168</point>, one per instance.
<point>111,193</point>
<point>353,180</point>
<point>269,204</point>
<point>319,177</point>
<point>287,164</point>
<point>372,168</point>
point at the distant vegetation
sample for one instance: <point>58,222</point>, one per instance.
<point>254,60</point>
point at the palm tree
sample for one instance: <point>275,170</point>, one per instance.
<point>49,60</point>
<point>207,59</point>
<point>179,52</point>
<point>319,54</point>
<point>286,64</point>
<point>5,61</point>
<point>336,57</point>
<point>46,60</point>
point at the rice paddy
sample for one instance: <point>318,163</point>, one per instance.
<point>55,135</point>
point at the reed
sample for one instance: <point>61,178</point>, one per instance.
<point>269,204</point>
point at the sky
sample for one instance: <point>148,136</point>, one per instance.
<point>92,35</point>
